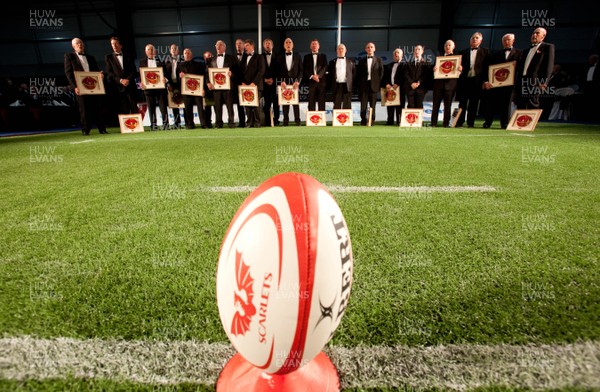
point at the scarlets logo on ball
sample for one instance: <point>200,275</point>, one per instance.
<point>89,82</point>
<point>412,118</point>
<point>242,298</point>
<point>502,74</point>
<point>192,84</point>
<point>524,120</point>
<point>342,118</point>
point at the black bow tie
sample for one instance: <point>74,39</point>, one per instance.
<point>507,49</point>
<point>268,53</point>
<point>220,55</point>
<point>341,58</point>
<point>369,57</point>
<point>288,54</point>
<point>475,48</point>
<point>314,54</point>
<point>533,45</point>
<point>118,54</point>
<point>81,54</point>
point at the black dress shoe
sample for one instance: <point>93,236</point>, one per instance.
<point>85,133</point>
<point>104,132</point>
<point>486,125</point>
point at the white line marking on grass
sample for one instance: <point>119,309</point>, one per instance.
<point>456,367</point>
<point>83,141</point>
<point>523,134</point>
<point>370,189</point>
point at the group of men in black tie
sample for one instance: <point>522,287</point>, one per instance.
<point>268,71</point>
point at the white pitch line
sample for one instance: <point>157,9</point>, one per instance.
<point>369,189</point>
<point>83,141</point>
<point>455,367</point>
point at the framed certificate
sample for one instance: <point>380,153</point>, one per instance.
<point>175,100</point>
<point>131,123</point>
<point>315,119</point>
<point>248,95</point>
<point>192,85</point>
<point>342,118</point>
<point>390,97</point>
<point>503,74</point>
<point>412,118</point>
<point>287,95</point>
<point>219,77</point>
<point>152,77</point>
<point>89,83</point>
<point>447,67</point>
<point>524,120</point>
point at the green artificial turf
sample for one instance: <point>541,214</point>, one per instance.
<point>118,236</point>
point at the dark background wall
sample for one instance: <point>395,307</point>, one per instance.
<point>35,35</point>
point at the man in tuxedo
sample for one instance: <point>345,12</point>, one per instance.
<point>417,78</point>
<point>369,72</point>
<point>174,83</point>
<point>240,55</point>
<point>188,66</point>
<point>535,68</point>
<point>270,85</point>
<point>209,98</point>
<point>290,73</point>
<point>253,71</point>
<point>155,96</point>
<point>90,106</point>
<point>470,83</point>
<point>121,73</point>
<point>315,67</point>
<point>444,89</point>
<point>591,89</point>
<point>223,97</point>
<point>393,78</point>
<point>499,99</point>
<point>342,72</point>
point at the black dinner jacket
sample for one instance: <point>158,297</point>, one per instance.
<point>481,63</point>
<point>114,72</point>
<point>350,73</point>
<point>541,64</point>
<point>421,72</point>
<point>295,73</point>
<point>398,76</point>
<point>169,70</point>
<point>376,73</point>
<point>498,57</point>
<point>272,70</point>
<point>253,70</point>
<point>73,64</point>
<point>159,64</point>
<point>308,66</point>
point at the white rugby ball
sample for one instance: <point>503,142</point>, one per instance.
<point>284,273</point>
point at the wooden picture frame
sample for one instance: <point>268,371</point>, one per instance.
<point>131,123</point>
<point>411,118</point>
<point>248,95</point>
<point>219,78</point>
<point>342,118</point>
<point>316,118</point>
<point>503,74</point>
<point>89,83</point>
<point>390,97</point>
<point>524,120</point>
<point>288,95</point>
<point>192,84</point>
<point>447,67</point>
<point>171,102</point>
<point>152,78</point>
<point>454,117</point>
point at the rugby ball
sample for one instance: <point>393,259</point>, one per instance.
<point>284,273</point>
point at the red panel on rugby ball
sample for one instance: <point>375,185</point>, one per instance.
<point>284,273</point>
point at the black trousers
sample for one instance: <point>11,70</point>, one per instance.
<point>367,96</point>
<point>469,97</point>
<point>152,99</point>
<point>316,94</point>
<point>441,93</point>
<point>91,110</point>
<point>189,101</point>
<point>342,97</point>
<point>223,97</point>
